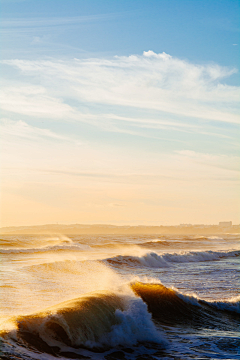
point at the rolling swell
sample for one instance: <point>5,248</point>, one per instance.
<point>170,307</point>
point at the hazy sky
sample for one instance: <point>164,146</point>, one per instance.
<point>121,112</point>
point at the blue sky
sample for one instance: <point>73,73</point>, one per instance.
<point>120,111</point>
<point>200,31</point>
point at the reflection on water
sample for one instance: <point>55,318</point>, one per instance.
<point>132,296</point>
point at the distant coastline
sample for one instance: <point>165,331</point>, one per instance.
<point>80,229</point>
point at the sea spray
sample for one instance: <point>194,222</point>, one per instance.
<point>134,325</point>
<point>189,300</point>
<point>96,320</point>
<point>171,307</point>
<point>154,260</point>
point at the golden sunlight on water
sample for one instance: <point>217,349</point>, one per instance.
<point>87,292</point>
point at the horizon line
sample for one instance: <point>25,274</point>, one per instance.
<point>114,225</point>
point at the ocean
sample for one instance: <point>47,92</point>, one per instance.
<point>110,297</point>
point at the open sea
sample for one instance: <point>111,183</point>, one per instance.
<point>111,297</point>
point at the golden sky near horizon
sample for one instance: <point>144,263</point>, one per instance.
<point>114,187</point>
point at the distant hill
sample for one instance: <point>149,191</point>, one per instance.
<point>120,230</point>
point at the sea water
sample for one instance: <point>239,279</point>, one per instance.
<point>119,297</point>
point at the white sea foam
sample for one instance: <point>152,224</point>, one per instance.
<point>188,298</point>
<point>100,319</point>
<point>196,256</point>
<point>232,304</point>
<point>150,260</point>
<point>134,325</point>
<point>60,247</point>
<point>165,260</point>
<point>215,238</point>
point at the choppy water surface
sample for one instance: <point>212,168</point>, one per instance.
<point>119,297</point>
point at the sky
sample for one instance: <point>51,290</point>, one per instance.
<point>119,112</point>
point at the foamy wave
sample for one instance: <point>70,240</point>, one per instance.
<point>196,256</point>
<point>97,320</point>
<point>215,238</point>
<point>170,306</point>
<point>155,243</point>
<point>150,260</point>
<point>154,260</point>
<point>33,242</point>
<point>134,325</point>
<point>232,304</point>
<point>59,247</point>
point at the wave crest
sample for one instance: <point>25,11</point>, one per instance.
<point>100,319</point>
<point>171,307</point>
<point>154,260</point>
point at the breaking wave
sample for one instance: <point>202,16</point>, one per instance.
<point>171,307</point>
<point>156,243</point>
<point>96,320</point>
<point>33,242</point>
<point>102,320</point>
<point>59,243</point>
<point>154,260</point>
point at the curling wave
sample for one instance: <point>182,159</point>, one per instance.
<point>97,320</point>
<point>171,307</point>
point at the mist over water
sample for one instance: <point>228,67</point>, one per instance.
<point>119,297</point>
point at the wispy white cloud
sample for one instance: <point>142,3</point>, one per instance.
<point>21,129</point>
<point>152,81</point>
<point>163,124</point>
<point>33,100</point>
<point>221,161</point>
<point>41,149</point>
<point>53,21</point>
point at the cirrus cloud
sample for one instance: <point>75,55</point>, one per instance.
<point>153,82</point>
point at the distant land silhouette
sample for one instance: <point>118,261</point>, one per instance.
<point>120,230</point>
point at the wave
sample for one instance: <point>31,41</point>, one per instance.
<point>232,304</point>
<point>39,244</point>
<point>214,238</point>
<point>33,242</point>
<point>47,248</point>
<point>103,320</point>
<point>94,321</point>
<point>179,241</point>
<point>156,243</point>
<point>149,260</point>
<point>197,256</point>
<point>154,260</point>
<point>171,307</point>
